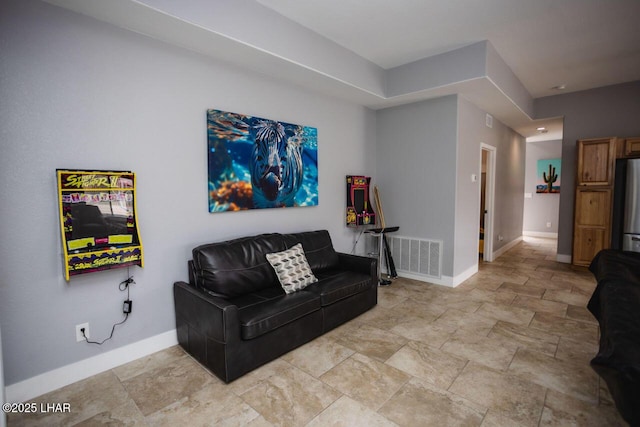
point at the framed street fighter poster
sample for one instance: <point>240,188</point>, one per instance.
<point>98,220</point>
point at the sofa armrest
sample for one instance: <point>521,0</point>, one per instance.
<point>360,264</point>
<point>213,317</point>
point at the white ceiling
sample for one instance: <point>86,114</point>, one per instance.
<point>350,48</point>
<point>578,43</point>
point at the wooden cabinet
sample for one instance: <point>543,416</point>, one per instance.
<point>587,243</point>
<point>596,160</point>
<point>592,223</point>
<point>593,207</point>
<point>594,196</point>
<point>632,147</point>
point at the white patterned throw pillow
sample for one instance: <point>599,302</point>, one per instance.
<point>292,268</point>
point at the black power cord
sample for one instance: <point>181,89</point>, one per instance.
<point>126,308</point>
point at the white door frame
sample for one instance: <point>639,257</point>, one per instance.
<point>489,199</point>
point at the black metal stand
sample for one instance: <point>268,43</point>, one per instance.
<point>380,234</point>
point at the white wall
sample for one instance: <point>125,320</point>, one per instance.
<point>78,93</point>
<point>540,208</point>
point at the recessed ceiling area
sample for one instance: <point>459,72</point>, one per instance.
<point>579,43</point>
<point>553,47</point>
<point>499,54</point>
<point>552,130</point>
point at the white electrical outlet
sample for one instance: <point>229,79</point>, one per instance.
<point>548,225</point>
<point>79,336</point>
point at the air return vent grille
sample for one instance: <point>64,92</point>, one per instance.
<point>411,255</point>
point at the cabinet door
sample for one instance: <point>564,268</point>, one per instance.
<point>592,223</point>
<point>587,242</point>
<point>593,207</point>
<point>596,160</point>
<point>632,147</point>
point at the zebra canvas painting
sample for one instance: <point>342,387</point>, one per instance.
<point>256,163</point>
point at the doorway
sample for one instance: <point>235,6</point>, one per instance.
<point>487,192</point>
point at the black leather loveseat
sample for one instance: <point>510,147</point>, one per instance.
<point>615,303</point>
<point>234,315</point>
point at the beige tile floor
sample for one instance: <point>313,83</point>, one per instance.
<point>509,347</point>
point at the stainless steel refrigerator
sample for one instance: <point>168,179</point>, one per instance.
<point>629,204</point>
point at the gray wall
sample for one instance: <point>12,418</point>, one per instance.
<point>416,172</point>
<point>509,172</point>
<point>602,112</point>
<point>541,208</point>
<point>426,154</point>
<point>471,120</point>
<point>78,93</point>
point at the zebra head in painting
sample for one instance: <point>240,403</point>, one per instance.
<point>276,165</point>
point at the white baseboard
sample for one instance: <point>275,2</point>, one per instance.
<point>506,247</point>
<point>448,281</point>
<point>465,275</point>
<point>443,280</point>
<point>563,258</point>
<point>540,234</point>
<point>60,377</point>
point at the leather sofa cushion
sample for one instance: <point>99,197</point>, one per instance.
<point>244,301</point>
<point>259,318</point>
<point>317,247</point>
<point>237,267</point>
<point>336,285</point>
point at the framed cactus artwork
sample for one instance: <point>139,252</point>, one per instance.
<point>548,176</point>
